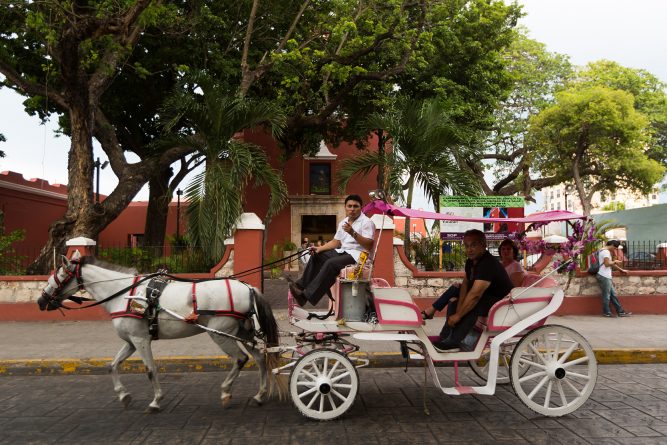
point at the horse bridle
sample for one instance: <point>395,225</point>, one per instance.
<point>52,301</point>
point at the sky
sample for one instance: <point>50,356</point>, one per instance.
<point>631,33</point>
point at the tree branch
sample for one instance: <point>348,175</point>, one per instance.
<point>31,88</point>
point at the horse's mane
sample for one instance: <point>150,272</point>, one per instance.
<point>93,261</point>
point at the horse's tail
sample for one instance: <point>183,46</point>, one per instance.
<point>269,326</point>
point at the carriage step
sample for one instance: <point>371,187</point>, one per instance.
<point>459,390</point>
<point>385,336</point>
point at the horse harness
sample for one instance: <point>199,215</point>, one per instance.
<point>151,308</point>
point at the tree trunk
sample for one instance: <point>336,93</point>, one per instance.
<point>79,218</point>
<point>381,166</point>
<point>408,204</point>
<point>160,194</point>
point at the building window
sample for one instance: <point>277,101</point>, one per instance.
<point>558,206</point>
<point>654,197</point>
<point>558,193</point>
<point>552,195</point>
<point>320,179</point>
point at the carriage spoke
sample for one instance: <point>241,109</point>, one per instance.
<point>525,361</point>
<point>307,383</point>
<point>339,395</point>
<point>547,397</point>
<point>557,347</point>
<point>342,385</point>
<point>571,385</point>
<point>333,369</point>
<point>317,394</point>
<point>576,374</point>
<point>309,375</point>
<point>562,394</point>
<point>325,365</point>
<point>322,404</point>
<point>305,393</point>
<point>331,402</point>
<point>537,353</point>
<point>575,362</point>
<point>340,376</point>
<point>532,376</point>
<point>567,353</point>
<point>538,387</point>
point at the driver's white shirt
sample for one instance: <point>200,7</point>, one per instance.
<point>363,226</point>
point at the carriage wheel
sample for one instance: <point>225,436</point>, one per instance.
<point>480,366</point>
<point>323,384</point>
<point>561,373</point>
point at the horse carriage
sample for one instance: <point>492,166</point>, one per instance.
<point>551,368</point>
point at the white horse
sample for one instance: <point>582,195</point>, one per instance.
<point>233,306</point>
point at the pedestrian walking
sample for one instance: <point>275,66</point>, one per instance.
<point>604,277</point>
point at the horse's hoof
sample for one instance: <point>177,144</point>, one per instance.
<point>126,399</point>
<point>226,399</point>
<point>152,409</point>
<point>258,400</point>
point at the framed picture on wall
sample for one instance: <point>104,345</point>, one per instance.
<point>320,179</point>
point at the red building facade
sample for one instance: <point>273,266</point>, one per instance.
<point>315,204</point>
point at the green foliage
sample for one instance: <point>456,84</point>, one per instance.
<point>455,258</point>
<point>426,252</point>
<point>596,136</point>
<point>426,151</point>
<point>288,245</point>
<point>649,97</point>
<point>11,263</point>
<point>276,254</point>
<point>215,196</point>
<point>185,260</point>
<point>614,206</point>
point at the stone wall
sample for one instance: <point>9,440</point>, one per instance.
<point>20,289</point>
<point>432,284</point>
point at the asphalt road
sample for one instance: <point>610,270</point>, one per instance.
<point>628,406</point>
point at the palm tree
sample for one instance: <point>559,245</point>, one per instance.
<point>215,196</point>
<point>427,151</point>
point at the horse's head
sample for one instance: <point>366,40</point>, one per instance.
<point>64,282</point>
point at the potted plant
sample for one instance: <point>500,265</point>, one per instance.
<point>289,248</point>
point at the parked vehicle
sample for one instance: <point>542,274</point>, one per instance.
<point>642,261</point>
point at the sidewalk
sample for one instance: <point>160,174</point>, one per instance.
<point>88,346</point>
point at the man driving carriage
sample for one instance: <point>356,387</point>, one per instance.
<point>354,235</point>
<point>485,283</point>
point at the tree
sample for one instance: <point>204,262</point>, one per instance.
<point>215,198</point>
<point>536,76</point>
<point>426,150</point>
<point>596,137</point>
<point>648,91</point>
<point>68,54</point>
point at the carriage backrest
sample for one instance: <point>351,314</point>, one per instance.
<point>523,303</point>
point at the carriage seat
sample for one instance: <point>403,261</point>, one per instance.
<point>528,280</point>
<point>394,305</point>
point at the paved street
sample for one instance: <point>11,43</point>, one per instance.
<point>629,406</point>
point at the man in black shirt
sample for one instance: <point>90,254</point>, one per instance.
<point>485,283</point>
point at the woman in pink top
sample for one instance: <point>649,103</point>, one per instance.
<point>509,255</point>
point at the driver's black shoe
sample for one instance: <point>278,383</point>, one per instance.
<point>298,294</point>
<point>446,346</point>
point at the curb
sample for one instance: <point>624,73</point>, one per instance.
<point>75,366</point>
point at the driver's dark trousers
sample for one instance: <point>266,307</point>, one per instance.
<point>467,322</point>
<point>321,273</point>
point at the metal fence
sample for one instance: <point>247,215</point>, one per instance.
<point>145,259</point>
<point>644,255</point>
<point>638,255</point>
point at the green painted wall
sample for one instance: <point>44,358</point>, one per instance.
<point>643,224</point>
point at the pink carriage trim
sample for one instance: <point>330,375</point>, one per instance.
<point>128,311</point>
<point>378,309</point>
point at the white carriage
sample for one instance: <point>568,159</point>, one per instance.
<point>552,368</point>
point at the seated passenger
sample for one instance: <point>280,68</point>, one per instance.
<point>485,283</point>
<point>355,235</point>
<point>509,254</point>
